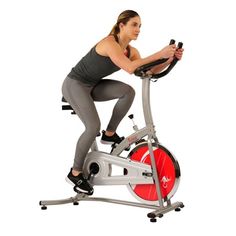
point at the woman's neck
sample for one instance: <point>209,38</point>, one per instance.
<point>123,41</point>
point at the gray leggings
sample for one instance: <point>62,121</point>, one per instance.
<point>81,97</point>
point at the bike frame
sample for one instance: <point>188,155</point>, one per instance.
<point>149,131</point>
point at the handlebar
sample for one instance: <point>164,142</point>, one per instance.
<point>142,70</point>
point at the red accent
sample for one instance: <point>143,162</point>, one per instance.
<point>165,169</point>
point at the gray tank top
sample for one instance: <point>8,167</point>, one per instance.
<point>92,68</point>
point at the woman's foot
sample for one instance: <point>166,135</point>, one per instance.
<point>109,137</point>
<point>79,182</point>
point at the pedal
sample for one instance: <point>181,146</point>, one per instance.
<point>114,145</point>
<point>76,190</point>
<point>140,141</point>
<point>83,194</point>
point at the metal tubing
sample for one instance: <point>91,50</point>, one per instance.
<point>158,210</point>
<point>155,174</point>
<point>121,202</point>
<point>163,210</point>
<point>94,146</point>
<point>57,202</point>
<point>148,129</point>
<point>84,197</point>
<point>146,101</point>
<point>149,121</point>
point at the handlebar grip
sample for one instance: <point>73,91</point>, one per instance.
<point>180,45</point>
<point>140,71</point>
<point>170,67</point>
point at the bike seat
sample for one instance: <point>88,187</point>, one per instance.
<point>63,99</point>
<point>67,107</point>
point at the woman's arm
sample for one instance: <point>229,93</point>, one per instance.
<point>159,68</point>
<point>109,47</point>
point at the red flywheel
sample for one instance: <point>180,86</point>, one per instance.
<point>167,168</point>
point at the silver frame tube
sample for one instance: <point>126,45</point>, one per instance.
<point>146,101</point>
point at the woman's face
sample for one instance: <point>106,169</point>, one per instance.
<point>132,28</point>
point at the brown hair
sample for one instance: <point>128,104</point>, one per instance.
<point>124,17</point>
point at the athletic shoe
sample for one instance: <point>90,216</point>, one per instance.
<point>111,139</point>
<point>80,183</point>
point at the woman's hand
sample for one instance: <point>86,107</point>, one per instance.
<point>179,53</point>
<point>173,52</point>
<point>168,51</point>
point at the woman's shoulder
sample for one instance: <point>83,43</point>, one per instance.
<point>108,39</point>
<point>104,44</point>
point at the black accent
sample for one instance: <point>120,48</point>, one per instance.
<point>42,207</point>
<point>180,45</point>
<point>141,71</point>
<point>94,168</point>
<point>151,215</point>
<point>63,99</point>
<point>177,209</point>
<point>147,174</point>
<point>131,116</point>
<point>67,107</point>
<point>140,141</point>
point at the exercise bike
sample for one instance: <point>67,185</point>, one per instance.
<point>150,171</point>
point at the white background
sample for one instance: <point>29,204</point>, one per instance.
<point>193,109</point>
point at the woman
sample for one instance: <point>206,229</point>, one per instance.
<point>84,85</point>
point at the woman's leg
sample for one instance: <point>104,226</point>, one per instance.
<point>111,89</point>
<point>78,95</point>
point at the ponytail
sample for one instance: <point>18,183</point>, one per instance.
<point>115,30</point>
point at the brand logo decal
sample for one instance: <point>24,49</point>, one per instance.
<point>165,181</point>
